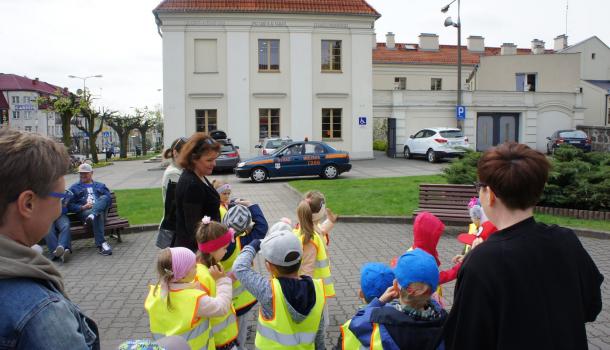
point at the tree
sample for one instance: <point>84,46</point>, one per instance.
<point>94,121</point>
<point>66,104</point>
<point>123,124</point>
<point>146,122</point>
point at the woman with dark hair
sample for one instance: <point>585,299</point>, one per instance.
<point>529,285</point>
<point>171,175</point>
<point>195,195</point>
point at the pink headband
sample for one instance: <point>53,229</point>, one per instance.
<point>183,260</point>
<point>223,188</point>
<point>215,244</point>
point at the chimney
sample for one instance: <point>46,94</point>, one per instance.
<point>561,42</point>
<point>508,49</point>
<point>35,81</point>
<point>428,42</point>
<point>537,47</point>
<point>476,43</point>
<point>389,41</point>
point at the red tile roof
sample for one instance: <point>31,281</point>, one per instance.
<point>3,102</point>
<point>13,82</point>
<point>349,7</point>
<point>447,54</point>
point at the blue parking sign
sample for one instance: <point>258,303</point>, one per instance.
<point>460,112</point>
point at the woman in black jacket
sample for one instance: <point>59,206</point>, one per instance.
<point>195,195</point>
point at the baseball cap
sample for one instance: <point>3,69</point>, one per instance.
<point>238,217</point>
<point>85,168</point>
<point>416,266</point>
<point>486,230</point>
<point>278,244</point>
<point>375,279</point>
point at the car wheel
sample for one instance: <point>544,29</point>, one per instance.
<point>431,155</point>
<point>407,153</point>
<point>330,172</point>
<point>258,175</point>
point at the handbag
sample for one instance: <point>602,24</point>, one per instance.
<point>165,238</point>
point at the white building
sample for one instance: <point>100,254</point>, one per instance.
<point>274,69</point>
<point>19,107</point>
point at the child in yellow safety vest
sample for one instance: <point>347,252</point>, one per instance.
<point>291,306</point>
<point>412,321</point>
<point>224,190</point>
<point>178,306</point>
<point>319,213</point>
<point>213,238</point>
<point>249,223</point>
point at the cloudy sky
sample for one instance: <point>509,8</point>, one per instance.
<point>51,39</point>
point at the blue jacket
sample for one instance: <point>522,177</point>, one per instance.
<point>79,197</point>
<point>398,330</point>
<point>35,315</point>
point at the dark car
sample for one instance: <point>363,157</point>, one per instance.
<point>576,138</point>
<point>229,156</point>
<point>303,158</point>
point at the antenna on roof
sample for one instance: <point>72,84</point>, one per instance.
<point>566,17</point>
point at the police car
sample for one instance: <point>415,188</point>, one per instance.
<point>296,159</point>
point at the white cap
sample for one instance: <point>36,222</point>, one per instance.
<point>278,244</point>
<point>85,168</point>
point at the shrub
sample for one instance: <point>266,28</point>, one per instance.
<point>464,170</point>
<point>380,145</point>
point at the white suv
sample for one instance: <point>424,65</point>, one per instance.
<point>436,143</point>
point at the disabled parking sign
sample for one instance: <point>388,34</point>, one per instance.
<point>362,121</point>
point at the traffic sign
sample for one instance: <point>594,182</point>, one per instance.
<point>362,121</point>
<point>106,134</point>
<point>460,112</point>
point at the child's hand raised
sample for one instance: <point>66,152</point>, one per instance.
<point>457,259</point>
<point>217,272</point>
<point>331,216</point>
<point>389,295</point>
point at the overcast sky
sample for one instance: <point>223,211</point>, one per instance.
<point>51,39</point>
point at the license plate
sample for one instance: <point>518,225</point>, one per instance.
<point>576,142</point>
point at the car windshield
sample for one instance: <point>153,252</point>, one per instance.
<point>452,134</point>
<point>226,148</point>
<point>574,134</point>
<point>277,143</point>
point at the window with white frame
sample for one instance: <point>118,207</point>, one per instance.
<point>525,81</point>
<point>268,55</point>
<point>436,84</point>
<point>16,115</point>
<point>205,120</point>
<point>28,128</point>
<point>268,122</point>
<point>331,56</point>
<point>15,99</point>
<point>331,123</point>
<point>400,83</point>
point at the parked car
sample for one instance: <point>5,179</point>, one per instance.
<point>271,144</point>
<point>436,143</point>
<point>576,138</point>
<point>229,156</point>
<point>296,159</point>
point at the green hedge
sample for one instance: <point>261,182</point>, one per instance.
<point>380,145</point>
<point>577,180</point>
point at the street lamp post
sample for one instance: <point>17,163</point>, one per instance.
<point>84,79</point>
<point>458,25</point>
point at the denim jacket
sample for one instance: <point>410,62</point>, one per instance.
<point>79,198</point>
<point>35,315</point>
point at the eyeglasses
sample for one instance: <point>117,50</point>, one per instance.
<point>478,185</point>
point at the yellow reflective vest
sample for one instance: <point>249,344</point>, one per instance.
<point>322,268</point>
<point>349,341</point>
<point>181,319</point>
<point>224,328</point>
<point>223,212</point>
<point>281,331</point>
<point>241,297</point>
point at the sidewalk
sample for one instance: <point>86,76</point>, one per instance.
<point>112,289</point>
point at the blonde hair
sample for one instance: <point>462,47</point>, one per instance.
<point>218,183</point>
<point>408,295</point>
<point>305,216</point>
<point>315,199</point>
<point>165,272</point>
<point>206,233</point>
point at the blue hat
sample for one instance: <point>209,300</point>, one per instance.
<point>375,278</point>
<point>416,266</point>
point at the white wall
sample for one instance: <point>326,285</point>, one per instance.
<point>549,122</point>
<point>594,100</point>
<point>301,84</point>
<point>593,69</point>
<point>174,87</point>
<point>238,89</point>
<point>418,75</point>
<point>362,95</point>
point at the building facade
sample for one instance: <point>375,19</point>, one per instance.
<point>272,70</point>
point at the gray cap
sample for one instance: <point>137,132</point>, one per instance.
<point>278,244</point>
<point>238,217</point>
<point>85,168</point>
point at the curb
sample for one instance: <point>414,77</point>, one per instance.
<point>140,228</point>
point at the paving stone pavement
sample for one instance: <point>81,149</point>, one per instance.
<point>112,289</point>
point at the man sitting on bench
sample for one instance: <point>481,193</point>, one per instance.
<point>91,201</point>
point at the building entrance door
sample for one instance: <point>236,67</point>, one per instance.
<point>496,128</point>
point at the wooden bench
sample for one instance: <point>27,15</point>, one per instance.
<point>113,225</point>
<point>448,202</point>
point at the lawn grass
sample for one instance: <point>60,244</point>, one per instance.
<point>141,206</point>
<point>399,197</point>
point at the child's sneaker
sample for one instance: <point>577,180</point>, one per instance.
<point>59,251</point>
<point>65,255</point>
<point>89,219</point>
<point>105,249</point>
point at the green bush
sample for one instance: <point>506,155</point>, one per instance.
<point>380,145</point>
<point>464,170</point>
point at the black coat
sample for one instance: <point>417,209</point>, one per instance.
<point>529,286</point>
<point>194,200</point>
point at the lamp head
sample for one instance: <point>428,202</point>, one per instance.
<point>445,9</point>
